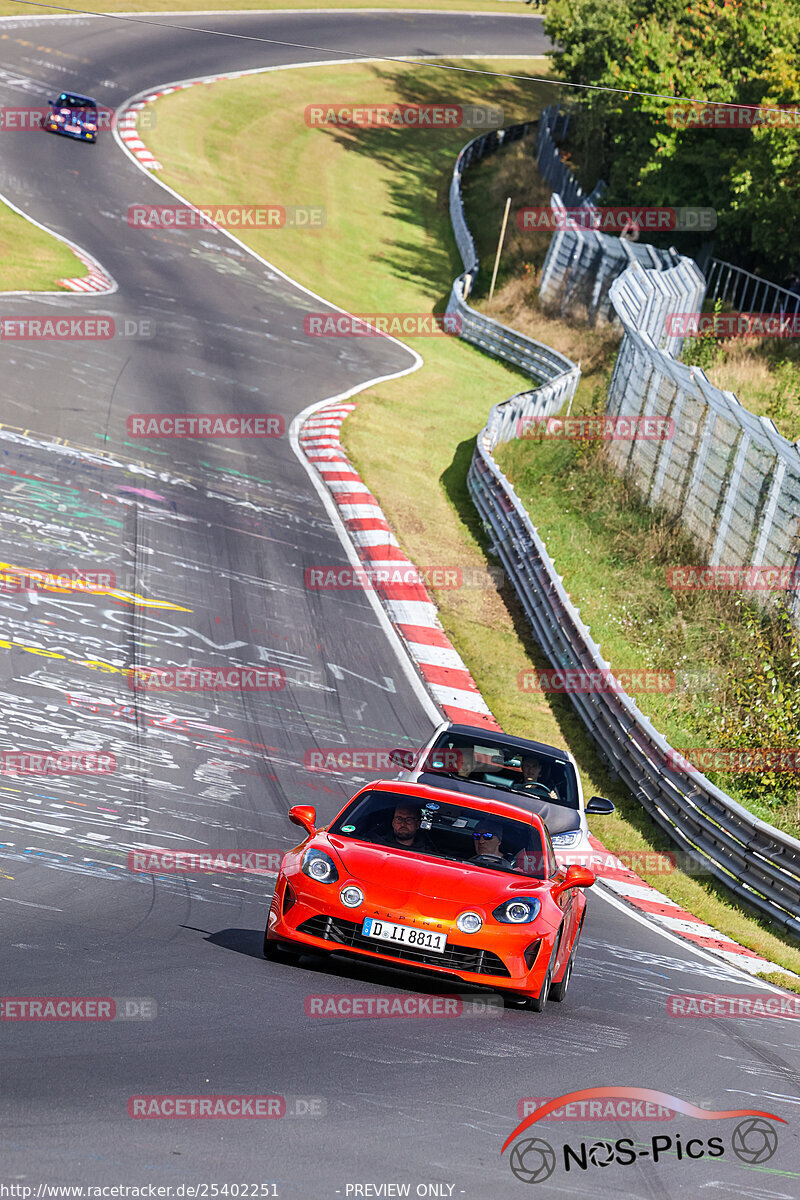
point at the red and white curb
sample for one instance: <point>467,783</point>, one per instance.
<point>95,281</point>
<point>410,608</point>
<point>414,615</point>
<point>629,887</point>
<point>129,135</point>
<point>128,116</point>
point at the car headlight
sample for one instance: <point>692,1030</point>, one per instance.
<point>521,910</point>
<point>351,896</point>
<point>566,839</point>
<point>469,922</point>
<point>318,865</point>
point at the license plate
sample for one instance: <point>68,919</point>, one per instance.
<point>72,128</point>
<point>404,935</point>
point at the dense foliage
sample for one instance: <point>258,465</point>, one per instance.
<point>741,51</point>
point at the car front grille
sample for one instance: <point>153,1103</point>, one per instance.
<point>457,958</point>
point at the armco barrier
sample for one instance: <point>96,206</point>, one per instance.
<point>757,862</point>
<point>557,374</point>
<point>581,264</point>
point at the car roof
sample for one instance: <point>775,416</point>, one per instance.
<point>421,792</point>
<point>490,735</point>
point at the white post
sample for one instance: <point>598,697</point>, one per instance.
<point>499,248</point>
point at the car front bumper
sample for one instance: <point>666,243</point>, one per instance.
<point>510,959</point>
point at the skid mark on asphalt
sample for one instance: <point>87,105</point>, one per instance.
<point>189,770</point>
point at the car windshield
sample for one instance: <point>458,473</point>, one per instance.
<point>67,100</point>
<point>456,832</point>
<point>505,767</point>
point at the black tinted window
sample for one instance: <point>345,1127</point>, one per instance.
<point>444,830</point>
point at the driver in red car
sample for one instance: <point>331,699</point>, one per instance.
<point>531,770</point>
<point>487,838</point>
<point>405,833</point>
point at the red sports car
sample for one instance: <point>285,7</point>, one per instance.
<point>462,886</point>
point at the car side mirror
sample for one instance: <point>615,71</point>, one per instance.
<point>575,877</point>
<point>600,806</point>
<point>305,816</point>
<point>405,759</point>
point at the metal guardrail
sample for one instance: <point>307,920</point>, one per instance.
<point>757,862</point>
<point>754,860</point>
<point>746,292</point>
<point>543,364</point>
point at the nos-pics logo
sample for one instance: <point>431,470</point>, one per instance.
<point>533,1160</point>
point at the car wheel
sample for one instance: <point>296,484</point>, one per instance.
<point>537,1003</point>
<point>559,990</point>
<point>278,951</point>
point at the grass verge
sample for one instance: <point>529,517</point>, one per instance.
<point>387,246</point>
<point>31,260</point>
<point>101,7</point>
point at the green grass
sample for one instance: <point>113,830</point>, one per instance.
<point>388,246</point>
<point>30,259</point>
<point>9,9</point>
<point>613,553</point>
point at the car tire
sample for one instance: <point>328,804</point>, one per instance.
<point>559,990</point>
<point>537,1003</point>
<point>278,951</point>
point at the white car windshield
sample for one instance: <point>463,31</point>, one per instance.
<point>503,766</point>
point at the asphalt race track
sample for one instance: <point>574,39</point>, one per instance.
<point>208,542</point>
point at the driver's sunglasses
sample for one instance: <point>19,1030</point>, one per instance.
<point>484,834</point>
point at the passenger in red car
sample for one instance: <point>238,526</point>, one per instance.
<point>405,834</point>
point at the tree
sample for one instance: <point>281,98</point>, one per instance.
<point>740,51</point>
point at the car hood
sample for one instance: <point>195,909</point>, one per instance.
<point>557,817</point>
<point>394,876</point>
